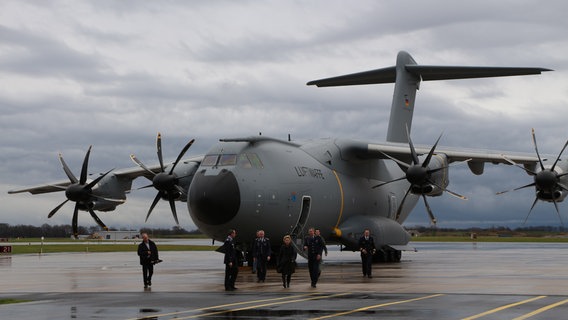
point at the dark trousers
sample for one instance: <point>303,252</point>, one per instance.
<point>261,268</point>
<point>231,276</point>
<point>313,266</point>
<point>286,279</point>
<point>367,264</point>
<point>147,272</point>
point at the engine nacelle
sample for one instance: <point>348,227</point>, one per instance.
<point>438,177</point>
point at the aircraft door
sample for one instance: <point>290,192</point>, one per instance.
<point>297,232</point>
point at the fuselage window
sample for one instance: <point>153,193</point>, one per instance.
<point>228,160</point>
<point>210,160</point>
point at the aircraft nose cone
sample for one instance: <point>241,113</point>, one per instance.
<point>214,199</point>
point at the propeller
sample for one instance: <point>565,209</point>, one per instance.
<point>81,192</point>
<point>546,181</point>
<point>165,182</point>
<point>419,176</point>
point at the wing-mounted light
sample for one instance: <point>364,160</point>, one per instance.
<point>550,182</point>
<point>81,192</point>
<point>427,176</point>
<point>166,181</point>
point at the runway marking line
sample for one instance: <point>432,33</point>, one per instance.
<point>377,306</point>
<point>488,312</point>
<point>324,296</point>
<point>541,310</point>
<point>222,306</point>
<point>320,296</point>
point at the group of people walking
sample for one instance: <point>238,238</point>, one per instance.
<point>314,247</point>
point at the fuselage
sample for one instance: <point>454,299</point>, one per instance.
<point>283,187</point>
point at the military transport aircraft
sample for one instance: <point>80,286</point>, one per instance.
<point>341,186</point>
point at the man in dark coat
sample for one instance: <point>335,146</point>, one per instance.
<point>314,247</point>
<point>231,261</point>
<point>367,248</point>
<point>148,253</point>
<point>261,254</point>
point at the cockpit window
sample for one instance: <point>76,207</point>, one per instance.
<point>210,160</point>
<point>250,160</point>
<point>244,161</point>
<point>228,160</point>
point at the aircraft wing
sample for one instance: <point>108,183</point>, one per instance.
<point>127,174</point>
<point>476,157</point>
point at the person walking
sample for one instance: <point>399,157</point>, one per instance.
<point>261,254</point>
<point>367,248</point>
<point>286,263</point>
<point>148,253</point>
<point>230,260</point>
<point>314,247</point>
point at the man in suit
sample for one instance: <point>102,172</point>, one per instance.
<point>231,261</point>
<point>148,253</point>
<point>261,255</point>
<point>367,248</point>
<point>314,246</point>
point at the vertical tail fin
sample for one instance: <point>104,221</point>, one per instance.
<point>407,76</point>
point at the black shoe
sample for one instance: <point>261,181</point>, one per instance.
<point>234,288</point>
<point>149,283</point>
<point>370,276</point>
<point>228,289</point>
<point>145,286</point>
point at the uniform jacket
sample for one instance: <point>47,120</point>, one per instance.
<point>367,244</point>
<point>143,252</point>
<point>261,248</point>
<point>315,245</point>
<point>230,251</point>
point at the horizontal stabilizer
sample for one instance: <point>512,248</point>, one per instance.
<point>425,73</point>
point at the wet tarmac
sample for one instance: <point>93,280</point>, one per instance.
<point>439,281</point>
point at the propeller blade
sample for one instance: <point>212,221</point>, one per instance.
<point>94,182</point>
<point>455,194</point>
<point>534,203</point>
<point>68,171</point>
<point>560,154</point>
<point>519,188</point>
<point>97,220</point>
<point>382,184</point>
<point>399,210</point>
<point>401,163</point>
<point>154,203</point>
<point>180,189</point>
<point>430,214</point>
<point>536,149</point>
<point>558,212</point>
<point>74,221</point>
<point>415,159</point>
<point>108,199</point>
<point>429,157</point>
<point>140,164</point>
<point>159,151</point>
<point>52,212</point>
<point>84,169</point>
<point>183,151</point>
<point>530,172</point>
<point>173,207</point>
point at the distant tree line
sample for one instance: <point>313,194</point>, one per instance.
<point>499,229</point>
<point>65,231</point>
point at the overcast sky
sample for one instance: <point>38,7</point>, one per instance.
<point>113,73</point>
